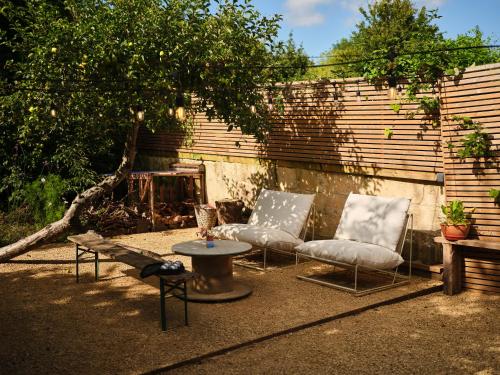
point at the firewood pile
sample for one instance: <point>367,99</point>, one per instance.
<point>114,217</point>
<point>175,215</point>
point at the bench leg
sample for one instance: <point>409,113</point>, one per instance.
<point>185,304</point>
<point>96,263</point>
<point>77,265</point>
<point>162,306</point>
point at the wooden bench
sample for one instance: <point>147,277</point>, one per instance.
<point>93,243</point>
<point>453,262</point>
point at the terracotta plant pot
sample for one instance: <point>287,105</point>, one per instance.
<point>455,232</point>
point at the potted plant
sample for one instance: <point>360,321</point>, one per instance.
<point>456,224</point>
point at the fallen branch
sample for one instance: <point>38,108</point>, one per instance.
<point>81,201</point>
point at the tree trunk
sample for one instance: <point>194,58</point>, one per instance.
<point>81,201</point>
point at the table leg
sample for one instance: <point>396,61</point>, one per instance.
<point>215,274</point>
<point>162,305</point>
<point>215,281</point>
<point>452,273</point>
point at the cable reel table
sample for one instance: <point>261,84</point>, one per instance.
<point>214,267</point>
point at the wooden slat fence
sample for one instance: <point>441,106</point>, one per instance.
<point>476,95</point>
<point>317,128</point>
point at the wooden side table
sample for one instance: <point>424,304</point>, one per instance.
<point>453,261</point>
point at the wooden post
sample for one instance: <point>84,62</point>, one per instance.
<point>452,273</point>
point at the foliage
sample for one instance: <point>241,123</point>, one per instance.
<point>15,224</point>
<point>455,214</point>
<point>79,71</point>
<point>287,54</point>
<point>396,107</point>
<point>388,133</point>
<point>44,198</point>
<point>475,144</point>
<point>387,45</point>
<point>495,194</point>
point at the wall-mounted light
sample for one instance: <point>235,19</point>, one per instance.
<point>335,94</point>
<point>139,113</point>
<point>358,93</point>
<point>179,104</point>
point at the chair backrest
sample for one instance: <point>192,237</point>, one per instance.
<point>371,219</point>
<point>282,210</point>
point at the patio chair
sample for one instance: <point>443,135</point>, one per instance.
<point>278,223</point>
<point>370,237</point>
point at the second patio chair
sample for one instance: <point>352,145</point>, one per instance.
<point>370,236</point>
<point>278,223</point>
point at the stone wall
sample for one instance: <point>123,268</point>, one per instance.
<point>244,177</point>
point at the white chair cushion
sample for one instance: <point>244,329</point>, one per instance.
<point>375,220</point>
<point>352,252</point>
<point>257,236</point>
<point>281,210</point>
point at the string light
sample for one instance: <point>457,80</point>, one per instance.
<point>139,113</point>
<point>270,102</point>
<point>358,93</point>
<point>335,94</point>
<point>53,111</point>
<point>253,109</point>
<point>179,110</point>
<point>392,81</point>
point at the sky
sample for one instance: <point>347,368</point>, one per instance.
<point>318,24</point>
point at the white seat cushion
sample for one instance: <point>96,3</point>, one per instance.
<point>281,210</point>
<point>371,219</point>
<point>257,236</point>
<point>352,252</point>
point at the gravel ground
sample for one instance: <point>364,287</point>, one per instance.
<point>50,324</point>
<point>435,334</point>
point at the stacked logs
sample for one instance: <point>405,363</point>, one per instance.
<point>113,218</point>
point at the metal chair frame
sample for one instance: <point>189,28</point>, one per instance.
<point>311,219</point>
<point>404,279</point>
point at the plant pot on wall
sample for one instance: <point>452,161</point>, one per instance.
<point>455,232</point>
<point>456,224</point>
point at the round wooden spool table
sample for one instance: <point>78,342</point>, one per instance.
<point>215,269</point>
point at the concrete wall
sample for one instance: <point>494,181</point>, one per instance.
<point>243,179</point>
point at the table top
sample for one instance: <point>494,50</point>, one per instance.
<point>222,247</point>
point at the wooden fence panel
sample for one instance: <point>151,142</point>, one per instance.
<point>476,95</point>
<point>315,127</point>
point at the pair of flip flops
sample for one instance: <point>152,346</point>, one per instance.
<point>166,268</point>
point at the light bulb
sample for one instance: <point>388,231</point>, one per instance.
<point>139,114</point>
<point>253,109</point>
<point>179,113</point>
<point>53,112</point>
<point>392,92</point>
<point>170,111</point>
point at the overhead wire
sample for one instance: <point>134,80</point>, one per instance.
<point>220,65</point>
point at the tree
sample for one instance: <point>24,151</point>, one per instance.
<point>87,71</point>
<point>389,44</point>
